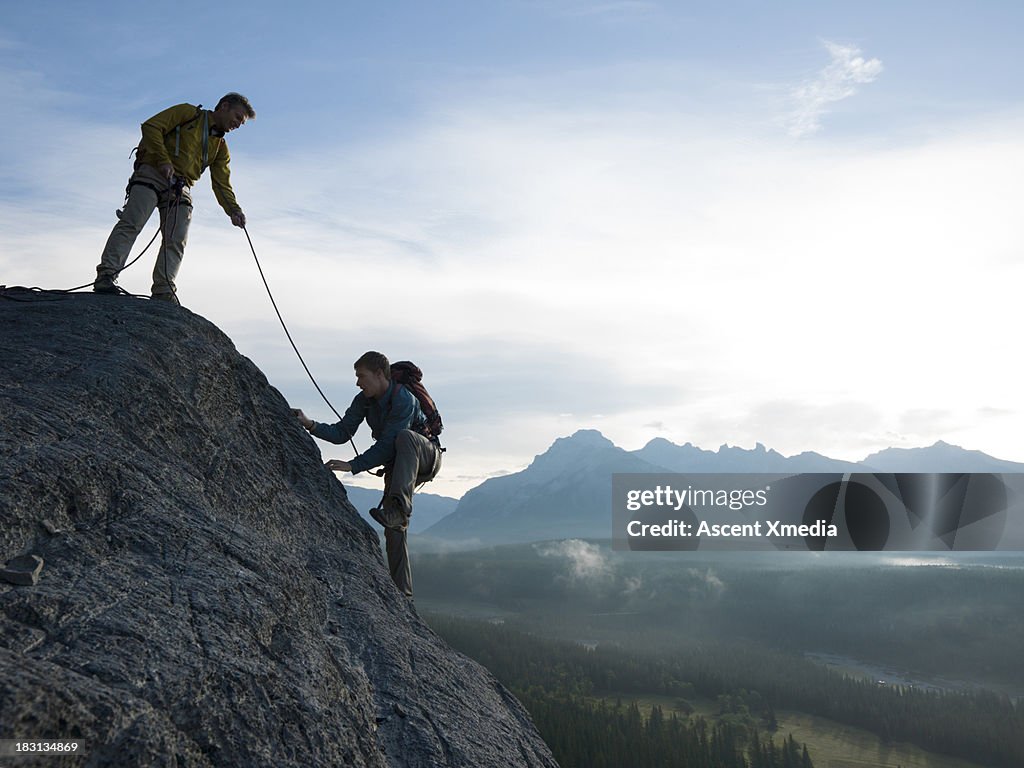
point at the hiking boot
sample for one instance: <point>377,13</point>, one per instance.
<point>390,515</point>
<point>170,298</point>
<point>105,284</point>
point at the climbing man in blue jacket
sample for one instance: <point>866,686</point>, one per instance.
<point>403,446</point>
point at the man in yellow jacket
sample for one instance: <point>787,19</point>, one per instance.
<point>177,145</point>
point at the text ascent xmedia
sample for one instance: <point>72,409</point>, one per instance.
<point>667,496</point>
<point>679,528</point>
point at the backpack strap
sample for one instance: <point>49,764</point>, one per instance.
<point>176,130</point>
<point>206,135</point>
<point>425,427</point>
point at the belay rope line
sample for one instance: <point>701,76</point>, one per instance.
<point>171,187</point>
<point>161,230</point>
<point>177,185</point>
<point>77,288</point>
<point>379,473</point>
<point>288,334</point>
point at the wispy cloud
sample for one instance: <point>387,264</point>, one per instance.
<point>837,81</point>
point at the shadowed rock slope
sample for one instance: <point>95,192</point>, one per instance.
<point>209,596</point>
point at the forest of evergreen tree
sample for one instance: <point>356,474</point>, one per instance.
<point>561,684</point>
<point>584,734</point>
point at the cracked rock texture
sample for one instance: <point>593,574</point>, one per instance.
<point>210,598</point>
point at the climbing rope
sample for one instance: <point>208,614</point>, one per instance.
<point>289,335</point>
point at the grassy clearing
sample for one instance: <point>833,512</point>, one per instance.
<point>830,744</point>
<point>840,746</point>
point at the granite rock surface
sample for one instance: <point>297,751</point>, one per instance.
<point>210,597</point>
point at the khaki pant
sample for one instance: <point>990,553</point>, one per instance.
<point>417,460</point>
<point>175,218</point>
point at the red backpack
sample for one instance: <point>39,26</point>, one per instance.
<point>411,377</point>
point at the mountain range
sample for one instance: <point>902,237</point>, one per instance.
<point>565,492</point>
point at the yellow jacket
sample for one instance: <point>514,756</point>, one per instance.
<point>175,136</point>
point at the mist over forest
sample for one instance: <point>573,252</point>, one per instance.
<point>940,616</point>
<point>919,649</point>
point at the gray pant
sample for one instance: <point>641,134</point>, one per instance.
<point>174,222</point>
<point>417,460</point>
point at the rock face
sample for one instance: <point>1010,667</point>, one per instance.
<point>210,597</point>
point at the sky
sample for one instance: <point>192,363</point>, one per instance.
<point>793,223</point>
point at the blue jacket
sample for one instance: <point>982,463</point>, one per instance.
<point>396,410</point>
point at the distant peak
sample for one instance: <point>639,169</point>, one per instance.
<point>583,439</point>
<point>582,443</point>
<point>658,441</point>
<point>938,444</point>
<point>759,448</point>
<point>661,443</point>
<point>586,437</point>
